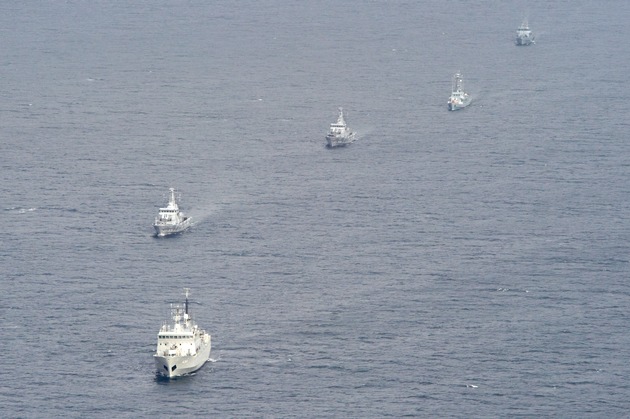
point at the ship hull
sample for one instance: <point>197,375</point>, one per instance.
<point>333,141</point>
<point>458,106</point>
<point>175,366</point>
<point>162,230</point>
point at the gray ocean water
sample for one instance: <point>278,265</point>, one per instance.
<point>447,264</point>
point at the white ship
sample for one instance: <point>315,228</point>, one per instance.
<point>459,99</point>
<point>182,347</point>
<point>339,135</point>
<point>524,35</point>
<point>171,220</point>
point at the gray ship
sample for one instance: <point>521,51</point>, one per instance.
<point>458,99</point>
<point>182,347</point>
<point>524,35</point>
<point>339,134</point>
<point>170,219</point>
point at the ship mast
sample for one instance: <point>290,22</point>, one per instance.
<point>171,200</point>
<point>186,291</point>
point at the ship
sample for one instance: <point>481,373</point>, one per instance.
<point>459,99</point>
<point>170,219</point>
<point>182,347</point>
<point>339,134</point>
<point>524,35</point>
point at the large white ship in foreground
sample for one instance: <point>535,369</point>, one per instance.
<point>339,134</point>
<point>171,220</point>
<point>182,347</point>
<point>459,99</point>
<point>524,35</point>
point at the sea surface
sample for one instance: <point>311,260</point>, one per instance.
<point>447,264</point>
